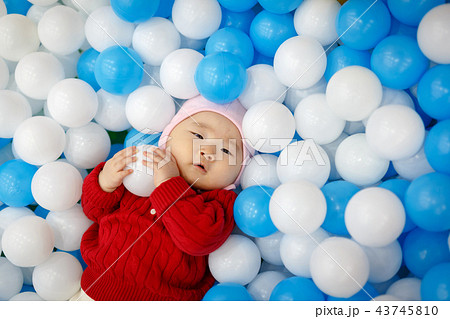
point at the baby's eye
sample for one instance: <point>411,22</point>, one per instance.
<point>226,151</point>
<point>197,135</point>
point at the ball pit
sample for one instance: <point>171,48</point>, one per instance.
<point>348,108</point>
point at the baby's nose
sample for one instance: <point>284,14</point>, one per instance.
<point>209,157</point>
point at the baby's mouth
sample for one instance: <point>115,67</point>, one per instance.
<point>200,167</point>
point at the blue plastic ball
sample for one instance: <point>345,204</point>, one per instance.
<point>237,20</point>
<point>269,30</point>
<point>427,201</point>
<point>164,9</point>
<point>15,183</point>
<point>227,292</point>
<point>17,6</point>
<point>280,6</point>
<point>437,147</point>
<point>398,62</point>
<point>135,11</point>
<point>26,288</point>
<point>366,294</point>
<point>5,141</point>
<point>296,289</point>
<point>41,212</point>
<point>136,138</point>
<point>251,211</point>
<point>238,5</point>
<point>337,195</point>
<point>410,12</point>
<point>114,149</point>
<point>426,119</point>
<point>262,59</point>
<point>343,56</point>
<point>119,70</point>
<point>398,28</point>
<point>399,188</point>
<point>433,92</point>
<point>361,24</point>
<point>423,249</point>
<point>221,77</point>
<point>391,172</point>
<point>86,68</point>
<point>435,284</point>
<point>233,41</point>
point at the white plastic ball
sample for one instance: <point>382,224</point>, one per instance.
<point>43,2</point>
<point>238,260</point>
<point>407,289</point>
<point>357,163</point>
<point>87,146</point>
<point>304,160</point>
<point>262,84</point>
<point>56,186</point>
<point>177,73</point>
<point>194,44</point>
<point>2,8</point>
<point>412,167</point>
<point>4,74</point>
<point>391,96</point>
<point>83,172</point>
<point>26,296</point>
<point>151,75</point>
<point>261,170</point>
<point>149,108</point>
<point>111,111</point>
<point>386,297</point>
<point>268,126</point>
<point>58,278</point>
<point>18,37</point>
<point>269,247</point>
<point>14,109</point>
<point>88,6</point>
<point>315,120</point>
<point>9,215</point>
<point>339,267</point>
<point>104,29</point>
<point>28,241</point>
<point>6,153</point>
<point>297,207</point>
<point>39,140</point>
<point>35,13</point>
<point>37,72</point>
<point>140,182</point>
<point>354,127</point>
<point>300,62</point>
<point>330,149</point>
<point>196,19</point>
<point>61,30</point>
<point>68,227</point>
<point>69,63</point>
<point>354,92</point>
<point>433,34</point>
<point>11,279</point>
<point>375,217</point>
<point>395,132</point>
<point>261,287</point>
<point>316,18</point>
<point>72,102</point>
<point>296,251</point>
<point>294,96</point>
<point>154,39</point>
<point>384,261</point>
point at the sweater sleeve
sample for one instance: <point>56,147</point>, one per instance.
<point>97,203</point>
<point>197,223</point>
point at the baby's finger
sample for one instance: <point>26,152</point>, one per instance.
<point>125,173</point>
<point>127,152</point>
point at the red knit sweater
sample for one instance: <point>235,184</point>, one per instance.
<point>133,254</point>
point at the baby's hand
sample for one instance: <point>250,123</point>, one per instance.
<point>113,174</point>
<point>164,165</point>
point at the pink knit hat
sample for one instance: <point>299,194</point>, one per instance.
<point>233,111</point>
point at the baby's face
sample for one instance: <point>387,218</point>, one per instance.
<point>207,146</point>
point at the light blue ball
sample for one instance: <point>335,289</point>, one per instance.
<point>119,70</point>
<point>269,30</point>
<point>435,284</point>
<point>86,68</point>
<point>251,211</point>
<point>363,23</point>
<point>280,6</point>
<point>41,212</point>
<point>437,147</point>
<point>262,59</point>
<point>17,6</point>
<point>344,56</point>
<point>410,12</point>
<point>237,20</point>
<point>398,62</point>
<point>398,28</point>
<point>136,138</point>
<point>220,77</point>
<point>296,289</point>
<point>164,9</point>
<point>433,92</point>
<point>427,201</point>
<point>227,292</point>
<point>424,249</point>
<point>238,5</point>
<point>15,183</point>
<point>135,11</point>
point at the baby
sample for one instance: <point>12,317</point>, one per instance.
<point>156,247</point>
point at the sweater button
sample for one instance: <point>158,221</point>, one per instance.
<point>153,211</point>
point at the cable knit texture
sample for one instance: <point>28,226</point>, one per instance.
<point>133,254</point>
